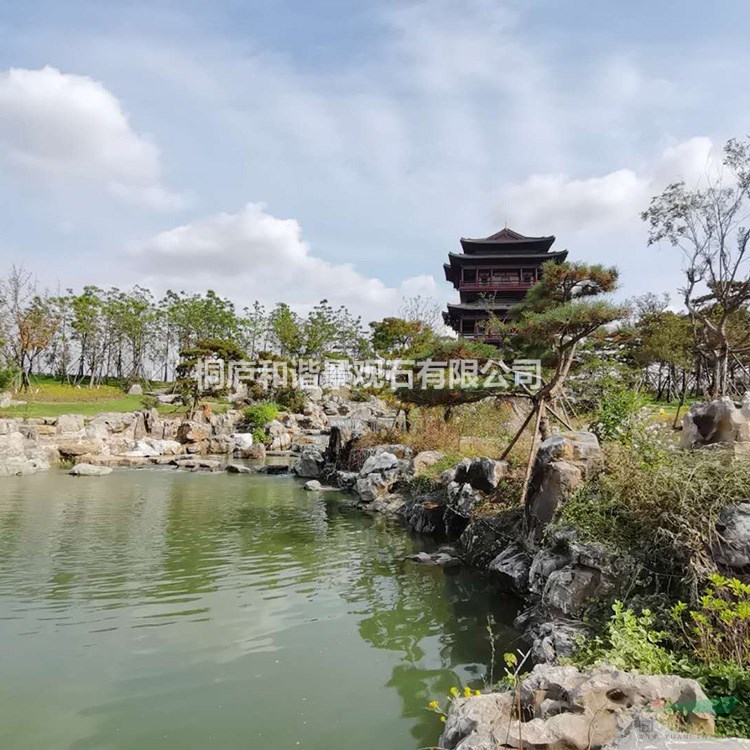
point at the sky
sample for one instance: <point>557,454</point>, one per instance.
<point>289,150</point>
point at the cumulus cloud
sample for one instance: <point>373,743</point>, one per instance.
<point>252,254</point>
<point>72,129</point>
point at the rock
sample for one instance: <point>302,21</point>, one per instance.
<point>69,423</point>
<point>193,432</point>
<point>135,390</point>
<point>565,708</point>
<point>569,589</point>
<point>346,480</point>
<point>242,441</point>
<point>89,470</point>
<point>20,456</point>
<point>377,477</point>
<point>462,499</point>
<point>70,448</point>
<point>424,459</point>
<point>309,464</point>
<point>167,398</point>
<point>560,467</point>
<point>274,469</point>
<point>554,640</point>
<point>486,537</point>
<point>6,399</point>
<point>199,464</point>
<point>439,559</point>
<point>481,473</point>
<point>425,513</point>
<point>220,445</point>
<point>716,422</point>
<point>732,546</point>
<point>313,485</point>
<point>255,452</point>
<point>511,567</point>
<point>240,469</point>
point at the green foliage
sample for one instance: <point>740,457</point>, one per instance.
<point>396,337</point>
<point>660,513</point>
<point>630,642</point>
<point>259,436</point>
<point>8,377</point>
<point>718,630</point>
<point>261,413</point>
<point>291,399</point>
<point>615,417</point>
<point>149,402</point>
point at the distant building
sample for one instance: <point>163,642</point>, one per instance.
<point>491,276</point>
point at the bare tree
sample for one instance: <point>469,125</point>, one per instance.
<point>709,225</point>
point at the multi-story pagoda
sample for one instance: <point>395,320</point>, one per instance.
<point>491,276</point>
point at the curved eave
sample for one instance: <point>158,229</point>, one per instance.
<point>532,244</point>
<point>460,259</point>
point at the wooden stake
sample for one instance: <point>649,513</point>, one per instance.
<point>532,454</point>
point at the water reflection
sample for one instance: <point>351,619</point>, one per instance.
<point>162,609</point>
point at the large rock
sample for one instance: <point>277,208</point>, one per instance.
<point>193,432</point>
<point>511,567</point>
<point>716,422</point>
<point>67,423</point>
<point>378,475</point>
<point>462,499</point>
<point>309,464</point>
<point>482,474</point>
<point>731,548</point>
<point>20,455</point>
<point>571,710</point>
<point>561,465</point>
<point>425,513</point>
<point>242,441</point>
<point>135,390</point>
<point>89,470</point>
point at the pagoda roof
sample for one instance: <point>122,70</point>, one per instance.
<point>481,305</point>
<point>494,255</point>
<point>506,240</point>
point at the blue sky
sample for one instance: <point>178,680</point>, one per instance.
<point>297,150</point>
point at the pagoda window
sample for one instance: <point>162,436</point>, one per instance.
<point>467,325</point>
<point>484,276</point>
<point>528,275</point>
<point>470,275</point>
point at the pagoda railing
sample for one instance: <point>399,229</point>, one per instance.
<point>493,286</point>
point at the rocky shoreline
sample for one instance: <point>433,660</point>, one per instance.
<point>558,577</point>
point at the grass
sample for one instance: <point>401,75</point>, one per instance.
<point>48,397</point>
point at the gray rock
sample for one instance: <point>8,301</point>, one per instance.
<point>511,567</point>
<point>135,390</point>
<point>716,422</point>
<point>438,559</point>
<point>240,469</point>
<point>732,546</point>
<point>313,485</point>
<point>481,473</point>
<point>69,423</point>
<point>274,469</point>
<point>570,589</point>
<point>242,441</point>
<point>310,463</point>
<point>89,470</point>
<point>462,499</point>
<point>193,432</point>
<point>6,399</point>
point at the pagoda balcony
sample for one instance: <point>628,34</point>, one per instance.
<point>496,285</point>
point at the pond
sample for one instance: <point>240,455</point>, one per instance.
<point>155,609</point>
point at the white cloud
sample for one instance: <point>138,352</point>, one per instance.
<point>70,129</point>
<point>252,255</point>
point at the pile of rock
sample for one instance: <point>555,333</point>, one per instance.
<point>562,707</point>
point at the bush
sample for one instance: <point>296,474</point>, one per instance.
<point>616,415</point>
<point>7,378</point>
<point>292,399</point>
<point>259,436</point>
<point>660,514</point>
<point>261,413</point>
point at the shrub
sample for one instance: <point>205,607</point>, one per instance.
<point>7,378</point>
<point>660,514</point>
<point>259,436</point>
<point>292,399</point>
<point>616,415</point>
<point>261,413</point>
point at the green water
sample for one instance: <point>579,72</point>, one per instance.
<point>159,609</point>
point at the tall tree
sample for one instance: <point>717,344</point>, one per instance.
<point>709,225</point>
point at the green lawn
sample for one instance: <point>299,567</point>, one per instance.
<point>48,397</point>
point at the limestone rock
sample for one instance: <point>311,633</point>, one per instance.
<point>441,559</point>
<point>240,469</point>
<point>511,567</point>
<point>69,423</point>
<point>313,485</point>
<point>242,441</point>
<point>193,432</point>
<point>309,464</point>
<point>135,390</point>
<point>716,422</point>
<point>89,470</point>
<point>481,473</point>
<point>561,465</point>
<point>732,546</point>
<point>462,499</point>
<point>378,475</point>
